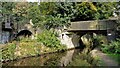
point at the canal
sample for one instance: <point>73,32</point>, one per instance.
<point>68,58</point>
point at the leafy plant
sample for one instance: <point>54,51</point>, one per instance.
<point>55,21</point>
<point>99,39</point>
<point>116,57</point>
<point>113,47</point>
<point>49,39</point>
<point>8,51</point>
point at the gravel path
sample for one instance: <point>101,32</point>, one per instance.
<point>104,57</point>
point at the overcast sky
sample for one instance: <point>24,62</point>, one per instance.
<point>32,0</point>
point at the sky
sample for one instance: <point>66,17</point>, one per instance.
<point>32,0</point>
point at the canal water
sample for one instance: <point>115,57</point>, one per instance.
<point>68,58</point>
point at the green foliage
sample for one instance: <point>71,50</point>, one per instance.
<point>116,57</point>
<point>45,16</point>
<point>28,47</point>
<point>66,10</point>
<point>84,11</point>
<point>104,10</point>
<point>8,52</point>
<point>113,47</point>
<point>20,12</point>
<point>99,39</point>
<point>91,11</point>
<point>49,39</point>
<point>17,11</point>
<point>34,13</point>
<point>54,22</point>
<point>6,7</point>
<point>47,8</point>
<point>52,14</point>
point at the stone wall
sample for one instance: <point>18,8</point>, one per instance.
<point>70,40</point>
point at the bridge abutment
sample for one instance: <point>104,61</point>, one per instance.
<point>83,39</point>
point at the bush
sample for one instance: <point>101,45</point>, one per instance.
<point>85,10</point>
<point>8,51</point>
<point>113,47</point>
<point>49,39</point>
<point>100,39</point>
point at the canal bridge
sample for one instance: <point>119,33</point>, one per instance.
<point>73,35</point>
<point>25,28</point>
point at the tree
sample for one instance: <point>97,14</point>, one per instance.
<point>40,14</point>
<point>21,11</point>
<point>51,15</point>
<point>18,11</point>
<point>6,10</point>
<point>6,7</point>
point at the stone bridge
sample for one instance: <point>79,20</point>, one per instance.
<point>25,29</point>
<point>82,32</point>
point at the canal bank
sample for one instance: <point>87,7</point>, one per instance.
<point>105,60</point>
<point>31,48</point>
<point>72,57</point>
<point>69,57</point>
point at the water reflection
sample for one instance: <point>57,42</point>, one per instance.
<point>65,60</point>
<point>56,59</point>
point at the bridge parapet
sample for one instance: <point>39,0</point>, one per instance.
<point>92,25</point>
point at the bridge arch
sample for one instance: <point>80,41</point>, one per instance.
<point>77,41</point>
<point>82,39</point>
<point>24,33</point>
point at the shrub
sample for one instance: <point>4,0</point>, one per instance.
<point>49,39</point>
<point>101,39</point>
<point>113,47</point>
<point>8,51</point>
<point>98,40</point>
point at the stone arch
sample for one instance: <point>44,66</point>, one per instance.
<point>77,39</point>
<point>24,33</point>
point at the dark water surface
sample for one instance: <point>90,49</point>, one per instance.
<point>68,58</point>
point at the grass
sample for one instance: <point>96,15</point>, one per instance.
<point>115,57</point>
<point>24,48</point>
